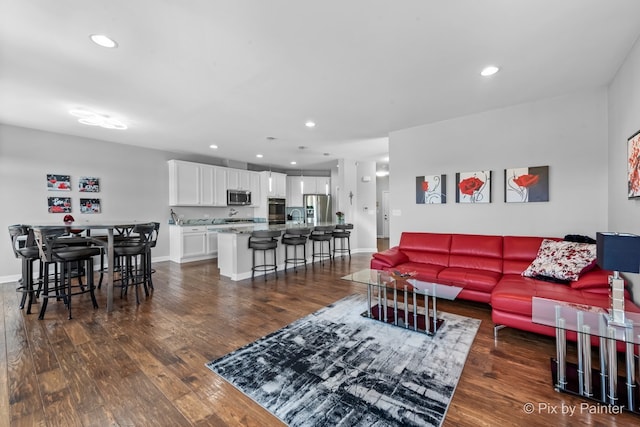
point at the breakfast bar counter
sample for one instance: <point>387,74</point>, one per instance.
<point>235,256</point>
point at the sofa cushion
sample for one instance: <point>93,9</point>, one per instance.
<point>562,260</point>
<point>428,248</point>
<point>478,252</point>
<point>424,272</point>
<point>390,257</point>
<point>519,252</point>
<point>468,278</point>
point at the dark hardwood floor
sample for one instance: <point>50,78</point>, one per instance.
<point>144,365</point>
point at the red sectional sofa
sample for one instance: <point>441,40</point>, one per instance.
<point>489,269</point>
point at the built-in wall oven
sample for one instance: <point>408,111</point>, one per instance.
<point>277,211</point>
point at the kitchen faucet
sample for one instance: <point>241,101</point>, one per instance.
<point>233,212</point>
<point>293,217</point>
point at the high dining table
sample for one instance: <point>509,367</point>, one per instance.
<point>110,227</point>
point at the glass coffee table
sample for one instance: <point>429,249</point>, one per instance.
<point>584,378</point>
<point>396,300</point>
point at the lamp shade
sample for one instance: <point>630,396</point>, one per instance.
<point>618,251</point>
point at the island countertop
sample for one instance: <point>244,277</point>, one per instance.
<point>248,229</point>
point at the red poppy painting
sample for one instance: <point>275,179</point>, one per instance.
<point>59,204</point>
<point>431,189</point>
<point>522,185</point>
<point>58,182</point>
<point>633,165</point>
<point>473,187</point>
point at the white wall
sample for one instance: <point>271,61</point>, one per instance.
<point>567,133</point>
<point>133,183</point>
<point>624,121</point>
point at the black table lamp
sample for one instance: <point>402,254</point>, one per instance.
<point>619,252</point>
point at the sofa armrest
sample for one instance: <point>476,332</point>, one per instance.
<point>391,257</point>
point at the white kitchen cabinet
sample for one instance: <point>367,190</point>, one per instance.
<point>294,191</point>
<point>212,242</point>
<point>256,189</point>
<point>187,243</point>
<point>238,179</point>
<point>184,183</point>
<point>309,185</point>
<point>207,191</point>
<point>193,184</point>
<point>323,185</point>
<point>275,184</point>
<point>220,186</point>
<point>297,186</point>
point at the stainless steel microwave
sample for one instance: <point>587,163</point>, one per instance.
<point>238,197</point>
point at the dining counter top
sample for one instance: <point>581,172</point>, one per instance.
<point>249,228</point>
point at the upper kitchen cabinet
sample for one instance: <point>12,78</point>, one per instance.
<point>297,186</point>
<point>323,185</point>
<point>256,190</point>
<point>294,190</point>
<point>196,184</point>
<point>190,184</point>
<point>238,179</point>
<point>276,184</point>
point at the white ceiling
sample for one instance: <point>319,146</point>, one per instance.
<point>188,74</point>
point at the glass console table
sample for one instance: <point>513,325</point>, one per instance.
<point>602,381</point>
<point>388,300</point>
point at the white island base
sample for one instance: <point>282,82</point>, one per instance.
<point>235,256</point>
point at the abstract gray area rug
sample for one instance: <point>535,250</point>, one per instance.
<point>337,368</point>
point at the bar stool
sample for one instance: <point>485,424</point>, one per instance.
<point>320,235</point>
<point>264,240</point>
<point>295,237</point>
<point>153,240</point>
<point>340,234</point>
<point>134,255</point>
<point>52,249</point>
<point>24,248</point>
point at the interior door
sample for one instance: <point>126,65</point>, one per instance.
<point>385,214</point>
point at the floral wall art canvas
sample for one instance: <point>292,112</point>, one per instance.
<point>473,187</point>
<point>633,165</point>
<point>58,182</point>
<point>59,204</point>
<point>90,206</point>
<point>523,185</point>
<point>89,184</point>
<point>431,189</point>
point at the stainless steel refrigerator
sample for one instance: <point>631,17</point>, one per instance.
<point>317,208</point>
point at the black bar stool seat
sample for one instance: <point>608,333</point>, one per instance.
<point>321,234</point>
<point>133,254</point>
<point>264,240</point>
<point>342,234</point>
<point>52,248</point>
<point>295,237</point>
<point>25,249</point>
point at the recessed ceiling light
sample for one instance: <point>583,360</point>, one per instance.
<point>90,118</point>
<point>489,71</point>
<point>213,146</point>
<point>293,163</point>
<point>310,124</point>
<point>102,40</point>
<point>259,156</point>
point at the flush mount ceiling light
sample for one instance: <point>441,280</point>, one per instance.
<point>489,71</point>
<point>102,40</point>
<point>90,118</point>
<point>293,163</point>
<point>213,146</point>
<point>259,156</point>
<point>310,124</point>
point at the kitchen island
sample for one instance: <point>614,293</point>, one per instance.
<point>235,256</point>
